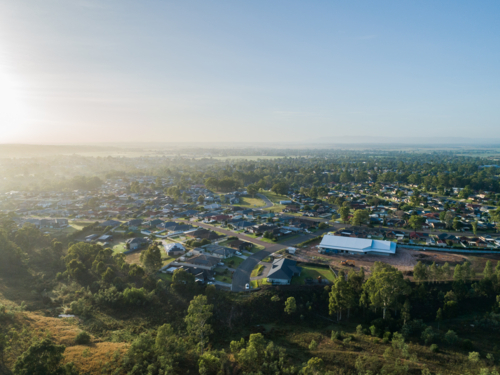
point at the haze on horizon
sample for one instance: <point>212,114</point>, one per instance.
<point>87,71</point>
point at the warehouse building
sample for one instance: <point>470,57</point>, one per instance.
<point>350,245</point>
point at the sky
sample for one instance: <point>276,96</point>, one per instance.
<point>85,71</point>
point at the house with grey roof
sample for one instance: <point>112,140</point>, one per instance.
<point>282,271</point>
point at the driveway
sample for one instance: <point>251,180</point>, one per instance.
<point>266,201</point>
<point>242,274</point>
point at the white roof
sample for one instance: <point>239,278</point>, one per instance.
<point>363,245</point>
<point>170,246</point>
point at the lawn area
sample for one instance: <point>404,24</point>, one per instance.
<point>165,276</point>
<point>312,272</point>
<point>224,278</point>
<point>257,271</point>
<point>260,238</point>
<point>251,202</point>
<point>287,238</point>
<point>233,262</point>
<point>119,248</point>
<point>168,260</point>
<point>275,198</point>
<point>256,248</point>
<point>258,283</point>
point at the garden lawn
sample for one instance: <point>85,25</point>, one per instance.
<point>224,278</point>
<point>233,262</point>
<point>119,248</point>
<point>257,271</point>
<point>258,283</point>
<point>252,202</point>
<point>312,272</point>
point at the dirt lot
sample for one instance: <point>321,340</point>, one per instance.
<point>404,260</point>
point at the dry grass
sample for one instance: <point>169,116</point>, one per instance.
<point>87,358</point>
<point>90,359</point>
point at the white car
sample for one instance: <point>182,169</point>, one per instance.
<point>247,286</point>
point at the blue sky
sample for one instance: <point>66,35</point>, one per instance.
<point>79,71</point>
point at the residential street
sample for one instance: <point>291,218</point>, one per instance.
<point>241,275</point>
<point>266,201</point>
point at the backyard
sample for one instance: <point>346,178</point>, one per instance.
<point>233,262</point>
<point>313,273</point>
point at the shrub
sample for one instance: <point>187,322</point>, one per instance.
<point>83,338</point>
<point>473,357</point>
<point>347,340</point>
<point>373,331</point>
<point>451,337</point>
<point>335,335</point>
<point>429,336</point>
<point>434,348</point>
<point>359,329</point>
<point>313,345</point>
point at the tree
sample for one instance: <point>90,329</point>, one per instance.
<point>252,189</point>
<point>457,224</point>
<point>151,258</point>
<point>385,286</point>
<point>420,272</point>
<point>416,222</point>
<point>280,188</point>
<point>448,219</point>
<point>360,217</point>
<point>488,270</point>
<point>474,227</point>
<point>344,213</point>
<point>342,296</point>
<point>43,358</point>
<point>405,311</point>
<point>313,367</point>
<point>290,305</point>
<point>439,317</point>
<point>199,312</point>
<point>181,276</point>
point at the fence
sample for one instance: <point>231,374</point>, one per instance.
<point>450,250</point>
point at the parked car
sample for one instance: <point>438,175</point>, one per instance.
<point>247,286</point>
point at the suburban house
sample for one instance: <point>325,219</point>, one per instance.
<point>220,251</point>
<point>240,245</point>
<point>201,261</point>
<point>174,249</point>
<point>282,271</point>
<point>110,223</point>
<point>137,243</point>
<point>349,245</point>
<point>203,234</point>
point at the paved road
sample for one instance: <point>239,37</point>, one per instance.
<point>266,201</point>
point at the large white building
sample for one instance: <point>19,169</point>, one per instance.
<point>349,245</point>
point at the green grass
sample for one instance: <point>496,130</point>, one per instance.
<point>312,272</point>
<point>223,278</point>
<point>119,248</point>
<point>257,248</point>
<point>236,261</point>
<point>258,283</point>
<point>257,271</point>
<point>251,202</point>
<point>165,276</point>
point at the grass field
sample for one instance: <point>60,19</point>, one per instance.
<point>223,278</point>
<point>259,283</point>
<point>233,262</point>
<point>257,271</point>
<point>119,248</point>
<point>251,202</point>
<point>312,272</point>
